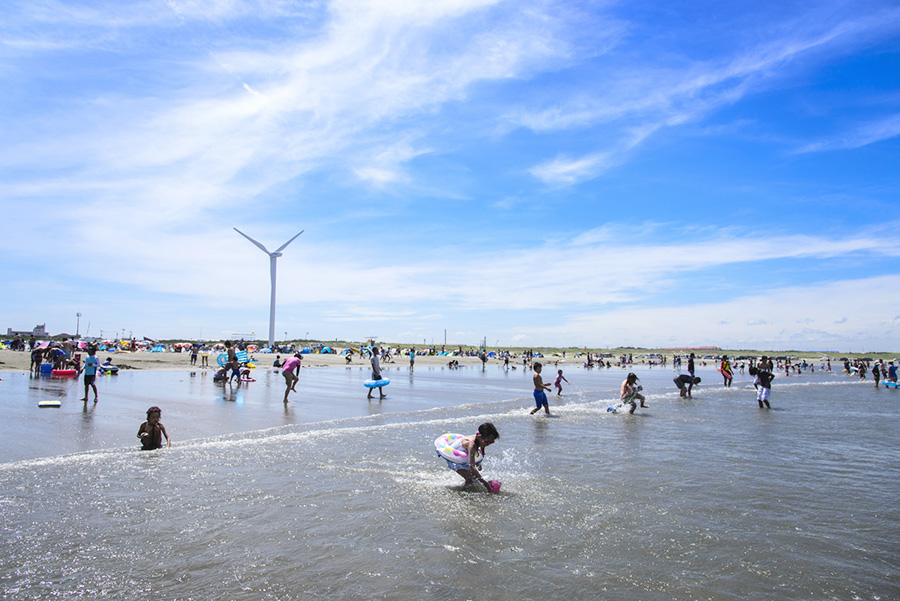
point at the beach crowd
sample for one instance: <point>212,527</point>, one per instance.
<point>236,358</point>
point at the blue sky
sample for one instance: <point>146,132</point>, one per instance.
<point>528,172</point>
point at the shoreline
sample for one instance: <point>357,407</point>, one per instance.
<point>20,361</point>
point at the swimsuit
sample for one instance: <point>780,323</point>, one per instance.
<point>153,440</point>
<point>540,399</point>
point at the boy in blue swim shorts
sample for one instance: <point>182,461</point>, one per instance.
<point>540,394</point>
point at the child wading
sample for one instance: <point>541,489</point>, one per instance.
<point>560,378</point>
<point>152,431</point>
<point>631,391</point>
<point>540,396</point>
<point>90,373</point>
<point>474,447</point>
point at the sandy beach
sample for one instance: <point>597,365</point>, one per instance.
<point>20,361</point>
<point>14,361</point>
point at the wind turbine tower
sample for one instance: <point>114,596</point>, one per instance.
<point>273,257</point>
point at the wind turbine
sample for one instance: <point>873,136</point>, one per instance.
<point>273,257</point>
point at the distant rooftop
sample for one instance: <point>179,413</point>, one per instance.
<point>39,330</point>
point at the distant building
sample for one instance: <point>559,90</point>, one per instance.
<point>692,348</point>
<point>39,331</point>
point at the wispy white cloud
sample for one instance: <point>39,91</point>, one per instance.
<point>823,304</point>
<point>567,171</point>
<point>636,103</point>
<point>153,148</point>
<point>548,277</point>
<point>235,122</point>
<point>868,133</point>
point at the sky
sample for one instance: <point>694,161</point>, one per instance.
<point>524,173</point>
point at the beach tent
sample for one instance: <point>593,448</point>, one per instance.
<point>159,348</point>
<point>326,351</point>
<point>305,351</point>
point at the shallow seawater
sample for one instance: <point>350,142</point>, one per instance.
<point>336,497</point>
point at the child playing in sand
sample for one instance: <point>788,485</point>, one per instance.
<point>540,397</point>
<point>763,385</point>
<point>560,378</point>
<point>630,392</point>
<point>473,445</point>
<point>152,431</point>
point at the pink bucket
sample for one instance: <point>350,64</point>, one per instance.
<point>494,486</point>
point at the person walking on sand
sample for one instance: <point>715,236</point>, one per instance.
<point>560,378</point>
<point>291,378</point>
<point>540,394</point>
<point>376,374</point>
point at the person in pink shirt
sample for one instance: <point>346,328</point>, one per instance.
<point>290,377</point>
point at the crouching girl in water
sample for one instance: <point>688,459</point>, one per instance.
<point>474,447</point>
<point>152,431</point>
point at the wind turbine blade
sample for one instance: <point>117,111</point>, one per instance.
<point>283,246</point>
<point>260,246</point>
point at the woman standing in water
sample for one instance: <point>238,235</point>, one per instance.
<point>726,371</point>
